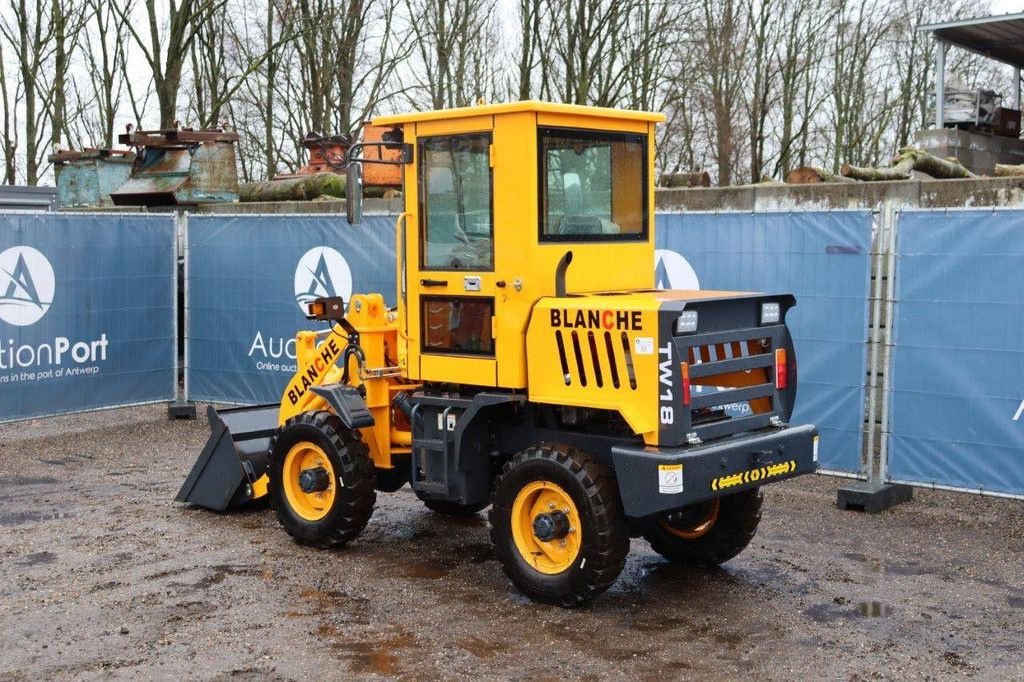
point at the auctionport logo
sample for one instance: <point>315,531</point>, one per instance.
<point>673,271</point>
<point>321,272</point>
<point>27,285</point>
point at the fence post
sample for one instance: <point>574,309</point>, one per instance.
<point>180,407</point>
<point>874,495</point>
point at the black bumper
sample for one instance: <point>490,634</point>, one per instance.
<point>655,480</point>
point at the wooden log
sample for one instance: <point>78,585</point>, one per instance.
<point>929,164</point>
<point>323,186</point>
<point>1006,170</point>
<point>899,171</point>
<point>301,188</point>
<point>685,179</point>
<point>911,159</point>
<point>811,175</point>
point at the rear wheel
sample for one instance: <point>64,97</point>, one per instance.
<point>709,533</point>
<point>321,480</point>
<point>557,525</point>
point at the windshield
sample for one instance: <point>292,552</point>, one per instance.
<point>593,185</point>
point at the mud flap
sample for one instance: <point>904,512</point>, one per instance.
<point>234,458</point>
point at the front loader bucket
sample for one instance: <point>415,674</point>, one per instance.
<point>234,458</point>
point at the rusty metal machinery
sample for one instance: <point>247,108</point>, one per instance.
<point>180,167</point>
<point>85,178</point>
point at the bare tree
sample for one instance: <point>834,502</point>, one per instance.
<point>723,40</point>
<point>166,51</point>
<point>10,129</point>
<point>105,59</point>
<point>455,47</point>
<point>29,33</point>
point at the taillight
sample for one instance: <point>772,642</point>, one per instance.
<point>686,383</point>
<point>781,371</point>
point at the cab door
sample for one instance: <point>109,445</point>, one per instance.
<point>450,274</point>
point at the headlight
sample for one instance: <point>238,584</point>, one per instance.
<point>771,313</point>
<point>686,323</point>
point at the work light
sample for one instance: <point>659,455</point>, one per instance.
<point>771,313</point>
<point>686,323</point>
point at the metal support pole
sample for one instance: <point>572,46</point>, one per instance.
<point>874,494</point>
<point>890,322</point>
<point>940,82</point>
<point>180,407</point>
<point>879,240</point>
<point>1016,88</point>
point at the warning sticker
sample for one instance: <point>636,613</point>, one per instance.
<point>643,345</point>
<point>670,479</point>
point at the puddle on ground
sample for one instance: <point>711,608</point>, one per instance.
<point>425,571</point>
<point>378,657</point>
<point>877,565</point>
<point>23,517</point>
<point>14,481</point>
<point>218,574</point>
<point>482,648</point>
<point>828,613</point>
<point>874,609</point>
<point>38,558</point>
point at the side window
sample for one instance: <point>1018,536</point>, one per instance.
<point>593,185</point>
<point>455,186</point>
<point>458,324</point>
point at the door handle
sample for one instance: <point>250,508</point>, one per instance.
<point>433,282</point>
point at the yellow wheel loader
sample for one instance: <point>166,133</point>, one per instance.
<point>530,365</point>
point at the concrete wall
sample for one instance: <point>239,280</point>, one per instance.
<point>911,193</point>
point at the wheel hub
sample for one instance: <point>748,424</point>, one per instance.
<point>314,480</point>
<point>546,527</point>
<point>551,526</point>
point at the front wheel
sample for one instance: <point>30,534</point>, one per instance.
<point>557,525</point>
<point>709,533</point>
<point>321,480</point>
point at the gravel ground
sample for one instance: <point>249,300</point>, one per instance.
<point>103,575</point>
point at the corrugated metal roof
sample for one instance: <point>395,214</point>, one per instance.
<point>1000,38</point>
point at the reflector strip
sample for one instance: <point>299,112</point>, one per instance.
<point>686,383</point>
<point>781,373</point>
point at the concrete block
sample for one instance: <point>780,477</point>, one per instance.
<point>872,498</point>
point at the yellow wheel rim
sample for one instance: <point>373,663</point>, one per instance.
<point>311,506</point>
<point>554,555</point>
<point>699,529</point>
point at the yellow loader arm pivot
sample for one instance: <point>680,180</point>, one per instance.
<point>332,374</point>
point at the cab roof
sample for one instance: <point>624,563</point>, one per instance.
<point>518,107</point>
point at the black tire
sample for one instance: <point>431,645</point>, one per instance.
<point>353,500</point>
<point>738,517</point>
<point>604,542</point>
<point>454,509</point>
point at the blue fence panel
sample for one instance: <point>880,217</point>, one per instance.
<point>248,280</point>
<point>87,312</point>
<point>957,411</point>
<point>823,258</point>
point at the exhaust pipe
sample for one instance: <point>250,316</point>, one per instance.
<point>560,270</point>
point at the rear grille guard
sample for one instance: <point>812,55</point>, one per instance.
<point>737,357</point>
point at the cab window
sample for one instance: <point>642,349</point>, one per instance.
<point>458,324</point>
<point>455,191</point>
<point>593,185</point>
